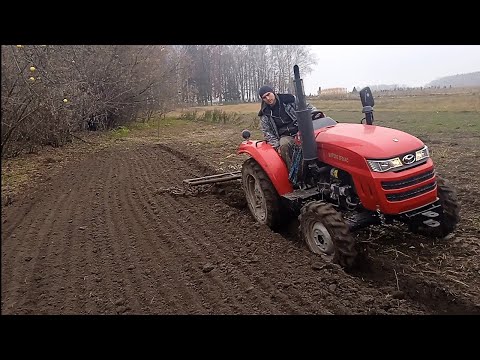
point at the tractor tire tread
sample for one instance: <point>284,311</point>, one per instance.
<point>345,252</point>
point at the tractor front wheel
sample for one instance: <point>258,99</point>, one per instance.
<point>262,198</point>
<point>327,234</point>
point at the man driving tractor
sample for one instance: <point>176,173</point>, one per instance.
<point>278,121</point>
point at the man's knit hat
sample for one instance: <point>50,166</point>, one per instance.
<point>265,89</point>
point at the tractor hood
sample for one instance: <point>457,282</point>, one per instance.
<point>369,141</point>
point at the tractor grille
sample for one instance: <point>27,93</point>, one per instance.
<point>411,193</point>
<point>390,185</point>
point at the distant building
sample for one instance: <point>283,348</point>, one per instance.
<point>332,91</point>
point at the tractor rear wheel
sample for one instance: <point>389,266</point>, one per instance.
<point>451,212</point>
<point>327,234</point>
<point>262,198</point>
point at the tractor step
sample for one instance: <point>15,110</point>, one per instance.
<point>211,179</point>
<point>301,194</point>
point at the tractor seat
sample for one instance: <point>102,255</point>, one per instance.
<point>323,122</point>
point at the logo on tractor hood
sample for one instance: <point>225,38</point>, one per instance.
<point>408,159</point>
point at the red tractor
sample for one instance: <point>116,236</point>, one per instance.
<point>353,176</point>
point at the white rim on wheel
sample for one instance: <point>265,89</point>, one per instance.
<point>256,198</point>
<point>321,238</point>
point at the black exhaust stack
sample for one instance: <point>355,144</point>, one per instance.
<point>367,103</point>
<point>304,118</point>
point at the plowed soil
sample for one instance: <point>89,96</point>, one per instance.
<point>114,231</point>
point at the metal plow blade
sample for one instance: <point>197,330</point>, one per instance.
<point>211,179</point>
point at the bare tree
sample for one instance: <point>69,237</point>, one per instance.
<point>49,92</point>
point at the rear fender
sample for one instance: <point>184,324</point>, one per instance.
<point>273,165</point>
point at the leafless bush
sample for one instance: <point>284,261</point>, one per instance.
<point>48,92</point>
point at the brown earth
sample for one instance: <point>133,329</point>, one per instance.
<point>111,230</point>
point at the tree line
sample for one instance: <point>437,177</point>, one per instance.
<point>51,91</point>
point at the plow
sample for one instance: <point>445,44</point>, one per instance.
<point>352,175</point>
<point>213,179</point>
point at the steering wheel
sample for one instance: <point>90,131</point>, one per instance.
<point>317,114</point>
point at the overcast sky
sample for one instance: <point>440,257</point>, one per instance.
<point>412,65</point>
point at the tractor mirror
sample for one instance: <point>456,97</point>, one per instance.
<point>366,97</point>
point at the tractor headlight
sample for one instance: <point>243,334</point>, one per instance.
<point>384,165</point>
<point>422,154</point>
<point>406,160</point>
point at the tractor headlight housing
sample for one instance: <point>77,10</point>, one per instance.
<point>406,160</point>
<point>422,154</point>
<point>384,165</point>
